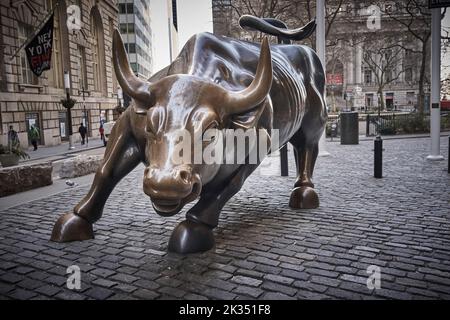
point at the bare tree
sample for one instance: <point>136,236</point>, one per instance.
<point>383,57</point>
<point>415,17</point>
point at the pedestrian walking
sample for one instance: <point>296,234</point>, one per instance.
<point>82,130</point>
<point>13,138</point>
<point>34,136</point>
<point>102,134</point>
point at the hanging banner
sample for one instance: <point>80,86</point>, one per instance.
<point>39,50</point>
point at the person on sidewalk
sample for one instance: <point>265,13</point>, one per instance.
<point>82,130</point>
<point>102,134</point>
<point>34,136</point>
<point>13,138</point>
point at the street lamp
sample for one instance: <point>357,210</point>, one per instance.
<point>68,103</point>
<point>426,98</point>
<point>85,115</point>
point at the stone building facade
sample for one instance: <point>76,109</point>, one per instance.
<point>83,50</point>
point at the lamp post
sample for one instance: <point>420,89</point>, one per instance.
<point>86,120</point>
<point>435,110</point>
<point>426,98</point>
<point>320,44</point>
<point>68,104</point>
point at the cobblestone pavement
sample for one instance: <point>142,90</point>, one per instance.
<point>264,250</point>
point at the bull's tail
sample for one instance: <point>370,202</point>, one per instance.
<point>277,28</point>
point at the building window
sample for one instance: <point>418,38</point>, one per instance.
<point>131,48</point>
<point>388,76</point>
<point>134,67</point>
<point>26,75</point>
<point>367,76</point>
<point>55,74</point>
<point>82,76</point>
<point>174,14</point>
<point>410,97</point>
<point>122,8</point>
<point>111,31</point>
<point>408,74</point>
<point>98,51</point>
<point>123,28</point>
<point>130,8</point>
<point>127,28</point>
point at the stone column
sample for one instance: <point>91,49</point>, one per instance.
<point>358,59</point>
<point>350,66</point>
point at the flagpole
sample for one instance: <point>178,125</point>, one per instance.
<point>38,28</point>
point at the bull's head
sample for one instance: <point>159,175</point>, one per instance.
<point>188,103</point>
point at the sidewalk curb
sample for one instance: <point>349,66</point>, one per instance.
<point>68,152</point>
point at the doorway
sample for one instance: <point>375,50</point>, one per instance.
<point>33,119</point>
<point>62,115</point>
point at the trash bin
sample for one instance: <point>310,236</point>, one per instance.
<point>349,128</point>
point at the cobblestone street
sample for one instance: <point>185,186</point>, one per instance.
<point>264,249</point>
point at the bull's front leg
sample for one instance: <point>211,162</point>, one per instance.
<point>121,156</point>
<point>195,233</point>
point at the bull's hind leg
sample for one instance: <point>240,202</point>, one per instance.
<point>303,195</point>
<point>121,156</point>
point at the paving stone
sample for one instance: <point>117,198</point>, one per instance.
<point>248,291</point>
<point>177,293</point>
<point>279,279</point>
<point>192,296</point>
<point>215,293</point>
<point>276,296</point>
<point>48,290</point>
<point>99,293</point>
<point>21,294</point>
<point>104,283</point>
<point>246,281</point>
<point>278,288</point>
<point>146,294</point>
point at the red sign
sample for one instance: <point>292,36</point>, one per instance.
<point>335,79</point>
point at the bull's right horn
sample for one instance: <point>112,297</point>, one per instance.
<point>257,91</point>
<point>130,83</point>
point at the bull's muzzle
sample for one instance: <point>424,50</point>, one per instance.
<point>171,189</point>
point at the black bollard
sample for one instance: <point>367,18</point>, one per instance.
<point>284,161</point>
<point>378,156</point>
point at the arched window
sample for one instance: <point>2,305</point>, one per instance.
<point>98,51</point>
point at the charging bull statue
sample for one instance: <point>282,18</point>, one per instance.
<point>215,82</point>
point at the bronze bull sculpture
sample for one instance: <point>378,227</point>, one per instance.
<point>215,82</point>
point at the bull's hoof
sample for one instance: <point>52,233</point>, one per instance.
<point>71,227</point>
<point>304,198</point>
<point>191,237</point>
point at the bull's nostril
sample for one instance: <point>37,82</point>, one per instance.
<point>185,176</point>
<point>196,188</point>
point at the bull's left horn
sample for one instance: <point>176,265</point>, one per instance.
<point>256,92</point>
<point>130,83</point>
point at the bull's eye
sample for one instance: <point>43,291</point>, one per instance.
<point>211,128</point>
